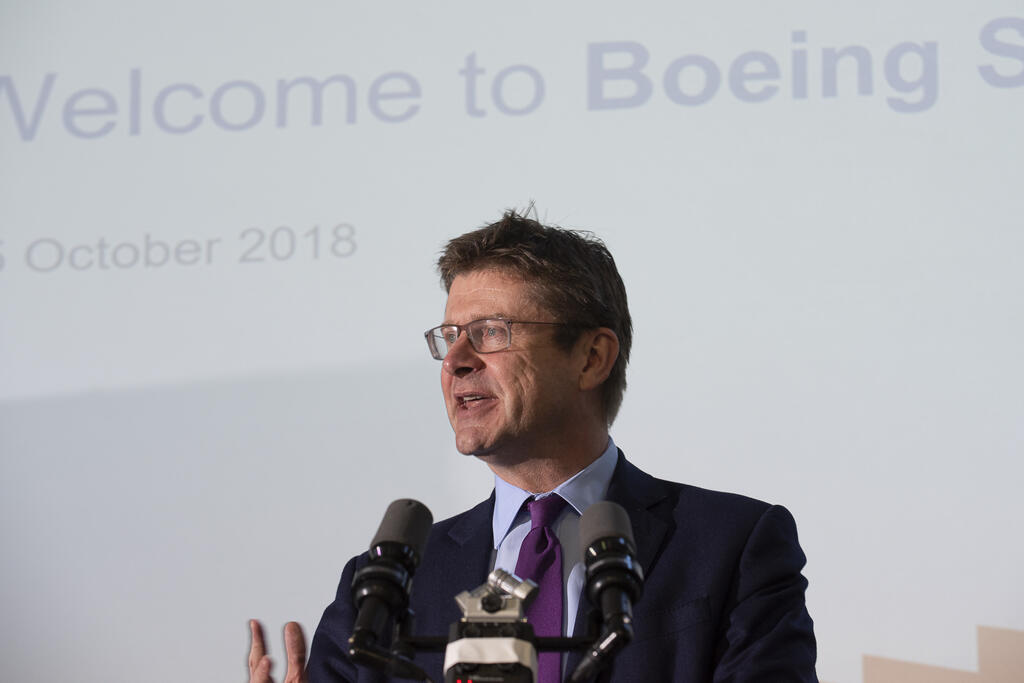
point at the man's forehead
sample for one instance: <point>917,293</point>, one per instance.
<point>490,293</point>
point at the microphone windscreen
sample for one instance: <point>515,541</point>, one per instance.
<point>605,519</point>
<point>407,522</point>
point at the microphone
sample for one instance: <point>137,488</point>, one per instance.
<point>381,588</point>
<point>614,581</point>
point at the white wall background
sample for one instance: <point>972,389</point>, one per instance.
<point>826,291</point>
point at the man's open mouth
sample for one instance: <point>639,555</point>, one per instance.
<point>467,400</point>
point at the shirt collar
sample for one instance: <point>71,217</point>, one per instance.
<point>581,490</point>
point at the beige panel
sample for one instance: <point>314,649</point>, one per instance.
<point>1000,655</point>
<point>882,670</point>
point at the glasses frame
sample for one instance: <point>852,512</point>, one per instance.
<point>460,329</point>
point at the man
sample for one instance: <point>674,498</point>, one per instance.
<point>534,348</point>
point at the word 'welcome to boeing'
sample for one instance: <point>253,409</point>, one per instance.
<point>619,75</point>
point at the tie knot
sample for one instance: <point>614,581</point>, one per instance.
<point>543,511</point>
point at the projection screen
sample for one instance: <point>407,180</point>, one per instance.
<point>218,224</point>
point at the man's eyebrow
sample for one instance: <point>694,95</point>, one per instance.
<point>481,316</point>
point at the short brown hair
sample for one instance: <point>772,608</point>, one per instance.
<point>572,272</point>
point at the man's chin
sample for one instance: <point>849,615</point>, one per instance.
<point>476,440</point>
<point>495,455</point>
<point>475,449</point>
<point>493,449</point>
<point>471,445</point>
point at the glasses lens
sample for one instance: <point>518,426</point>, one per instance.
<point>489,336</point>
<point>486,336</point>
<point>440,339</point>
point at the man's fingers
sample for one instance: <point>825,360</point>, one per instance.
<point>261,672</point>
<point>257,648</point>
<point>295,647</point>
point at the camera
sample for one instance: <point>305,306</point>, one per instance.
<point>493,642</point>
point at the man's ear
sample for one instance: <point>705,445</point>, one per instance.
<point>599,349</point>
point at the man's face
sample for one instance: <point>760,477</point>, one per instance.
<point>509,402</point>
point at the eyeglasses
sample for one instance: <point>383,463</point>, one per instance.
<point>486,335</point>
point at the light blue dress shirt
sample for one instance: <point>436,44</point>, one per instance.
<point>511,523</point>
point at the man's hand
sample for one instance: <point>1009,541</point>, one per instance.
<point>295,650</point>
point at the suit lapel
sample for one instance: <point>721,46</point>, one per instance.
<point>472,540</point>
<point>472,529</point>
<point>637,492</point>
<point>466,548</point>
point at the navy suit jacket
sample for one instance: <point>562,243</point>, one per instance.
<point>723,597</point>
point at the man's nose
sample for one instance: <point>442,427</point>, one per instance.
<point>462,358</point>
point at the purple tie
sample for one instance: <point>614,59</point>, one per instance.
<point>540,559</point>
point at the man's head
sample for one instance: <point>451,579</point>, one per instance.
<point>569,276</point>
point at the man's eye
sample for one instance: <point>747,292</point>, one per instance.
<point>492,331</point>
<point>451,337</point>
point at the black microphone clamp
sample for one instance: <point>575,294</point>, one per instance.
<point>610,564</point>
<point>382,587</point>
